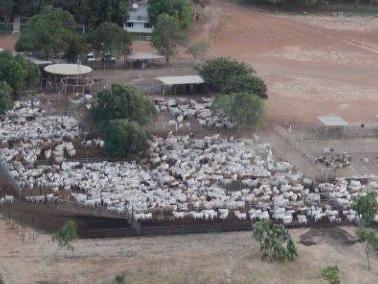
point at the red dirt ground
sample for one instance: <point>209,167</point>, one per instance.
<point>314,65</point>
<point>8,42</point>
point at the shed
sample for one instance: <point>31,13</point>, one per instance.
<point>332,127</point>
<point>68,69</point>
<point>186,82</point>
<point>68,75</point>
<point>332,121</point>
<point>143,58</point>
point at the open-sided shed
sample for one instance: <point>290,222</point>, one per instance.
<point>142,59</point>
<point>69,76</point>
<point>188,83</point>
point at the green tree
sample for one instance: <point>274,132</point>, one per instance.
<point>197,49</point>
<point>167,36</point>
<point>331,274</point>
<point>6,9</point>
<point>1,279</point>
<point>17,72</point>
<point>6,102</point>
<point>122,102</point>
<point>216,72</point>
<point>66,235</point>
<point>92,13</point>
<point>182,10</point>
<point>367,208</point>
<point>276,243</point>
<point>125,138</point>
<point>48,34</point>
<point>245,83</point>
<point>245,109</point>
<point>109,37</point>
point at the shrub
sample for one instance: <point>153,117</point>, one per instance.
<point>1,279</point>
<point>331,274</point>
<point>6,102</point>
<point>276,244</point>
<point>244,108</point>
<point>124,138</point>
<point>66,235</point>
<point>216,72</point>
<point>367,207</point>
<point>197,49</point>
<point>120,279</point>
<point>122,102</point>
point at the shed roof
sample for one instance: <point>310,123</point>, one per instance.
<point>38,61</point>
<point>332,120</point>
<point>144,56</point>
<point>181,80</point>
<point>68,69</point>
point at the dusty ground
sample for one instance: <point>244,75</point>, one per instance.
<point>8,42</point>
<point>313,65</point>
<point>210,258</point>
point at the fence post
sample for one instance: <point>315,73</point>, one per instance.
<point>9,214</point>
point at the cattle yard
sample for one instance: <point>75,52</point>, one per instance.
<point>199,171</point>
<point>201,174</point>
<point>200,168</point>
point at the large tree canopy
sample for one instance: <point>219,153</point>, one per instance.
<point>109,37</point>
<point>217,72</point>
<point>49,34</point>
<point>180,9</point>
<point>123,102</point>
<point>17,72</point>
<point>124,138</point>
<point>244,108</point>
<point>245,83</point>
<point>95,12</point>
<point>167,36</point>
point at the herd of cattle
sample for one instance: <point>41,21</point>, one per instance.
<point>201,178</point>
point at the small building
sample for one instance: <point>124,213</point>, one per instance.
<point>143,59</point>
<point>138,22</point>
<point>332,126</point>
<point>181,84</point>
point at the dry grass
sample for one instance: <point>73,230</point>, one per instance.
<point>209,258</point>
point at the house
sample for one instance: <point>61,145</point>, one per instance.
<point>138,22</point>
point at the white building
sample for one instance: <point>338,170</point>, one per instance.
<point>138,21</point>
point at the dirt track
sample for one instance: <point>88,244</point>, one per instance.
<point>313,65</point>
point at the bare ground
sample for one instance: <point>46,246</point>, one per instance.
<point>314,65</point>
<point>209,258</point>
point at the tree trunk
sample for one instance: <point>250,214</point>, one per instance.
<point>367,255</point>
